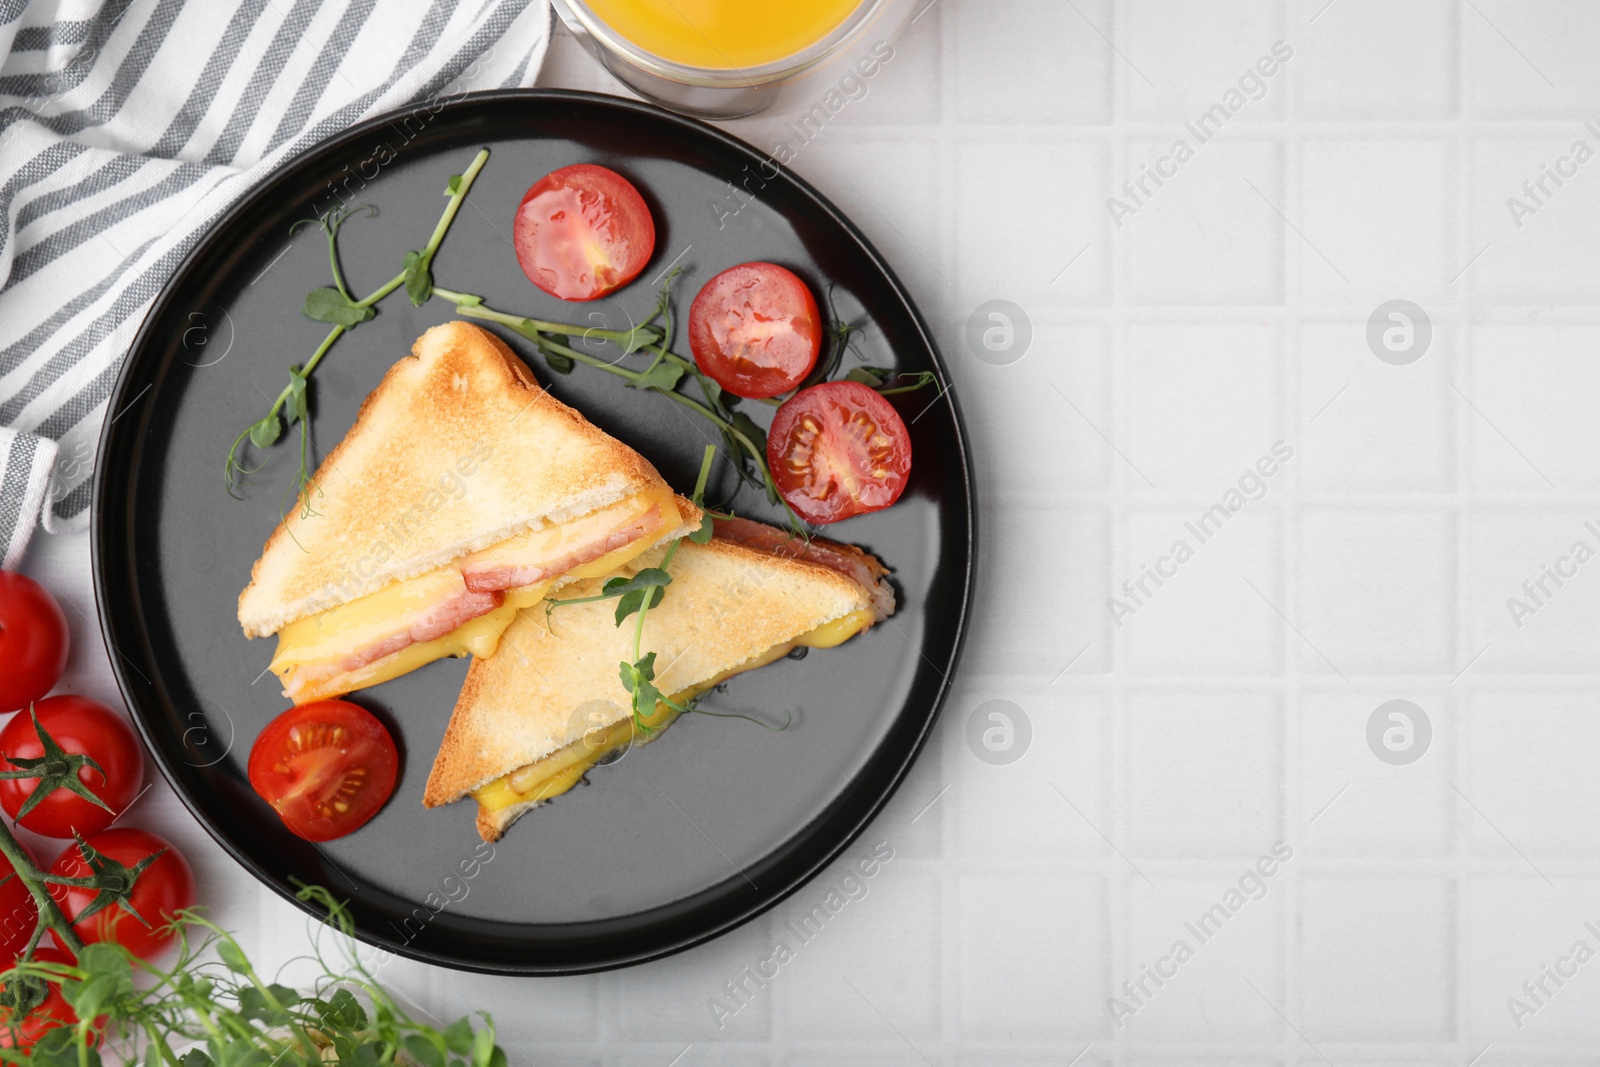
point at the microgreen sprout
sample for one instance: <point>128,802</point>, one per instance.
<point>211,1008</point>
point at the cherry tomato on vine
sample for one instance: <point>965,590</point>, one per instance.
<point>33,641</point>
<point>53,1013</point>
<point>325,767</point>
<point>161,890</point>
<point>583,231</point>
<point>838,449</point>
<point>755,330</point>
<point>81,727</point>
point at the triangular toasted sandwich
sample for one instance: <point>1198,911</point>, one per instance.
<point>533,720</point>
<point>463,493</point>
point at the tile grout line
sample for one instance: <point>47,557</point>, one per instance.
<point>1116,946</point>
<point>1462,319</point>
<point>1288,954</point>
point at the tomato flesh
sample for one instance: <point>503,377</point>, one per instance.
<point>582,232</point>
<point>33,641</point>
<point>838,449</point>
<point>78,725</point>
<point>755,330</point>
<point>325,767</point>
<point>165,888</point>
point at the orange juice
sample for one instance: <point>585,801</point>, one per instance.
<point>723,34</point>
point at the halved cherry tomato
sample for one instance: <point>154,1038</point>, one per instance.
<point>52,1014</point>
<point>326,767</point>
<point>583,231</point>
<point>33,641</point>
<point>838,449</point>
<point>754,328</point>
<point>80,726</point>
<point>162,890</point>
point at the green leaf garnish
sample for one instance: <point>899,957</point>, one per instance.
<point>458,1037</point>
<point>638,678</point>
<point>297,397</point>
<point>484,1050</point>
<point>330,305</point>
<point>422,1050</point>
<point>268,1004</point>
<point>753,449</point>
<point>263,433</point>
<point>637,338</point>
<point>341,1011</point>
<point>747,426</point>
<point>661,376</point>
<point>631,591</point>
<point>558,361</point>
<point>418,277</point>
<point>233,958</point>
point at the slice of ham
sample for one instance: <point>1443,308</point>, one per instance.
<point>860,567</point>
<point>428,625</point>
<point>486,585</point>
<point>490,575</point>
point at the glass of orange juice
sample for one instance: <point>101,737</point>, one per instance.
<point>726,58</point>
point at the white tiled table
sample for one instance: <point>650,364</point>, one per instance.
<point>1228,712</point>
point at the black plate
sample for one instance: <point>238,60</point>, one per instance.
<point>608,875</point>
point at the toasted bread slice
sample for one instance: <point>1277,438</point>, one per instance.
<point>458,449</point>
<point>730,607</point>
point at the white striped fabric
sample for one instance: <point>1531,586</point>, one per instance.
<point>126,126</point>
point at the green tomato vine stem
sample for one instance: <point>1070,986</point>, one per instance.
<point>50,914</point>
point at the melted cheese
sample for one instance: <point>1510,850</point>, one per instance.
<point>565,767</point>
<point>835,633</point>
<point>475,637</point>
<point>340,632</point>
<point>346,628</point>
<point>552,775</point>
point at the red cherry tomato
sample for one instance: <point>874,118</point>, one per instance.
<point>583,231</point>
<point>86,727</point>
<point>18,916</point>
<point>838,449</point>
<point>33,641</point>
<point>754,328</point>
<point>325,767</point>
<point>53,1013</point>
<point>163,889</point>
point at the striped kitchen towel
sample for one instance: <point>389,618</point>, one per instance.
<point>127,126</point>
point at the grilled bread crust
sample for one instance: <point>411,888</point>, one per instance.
<point>457,449</point>
<point>726,605</point>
